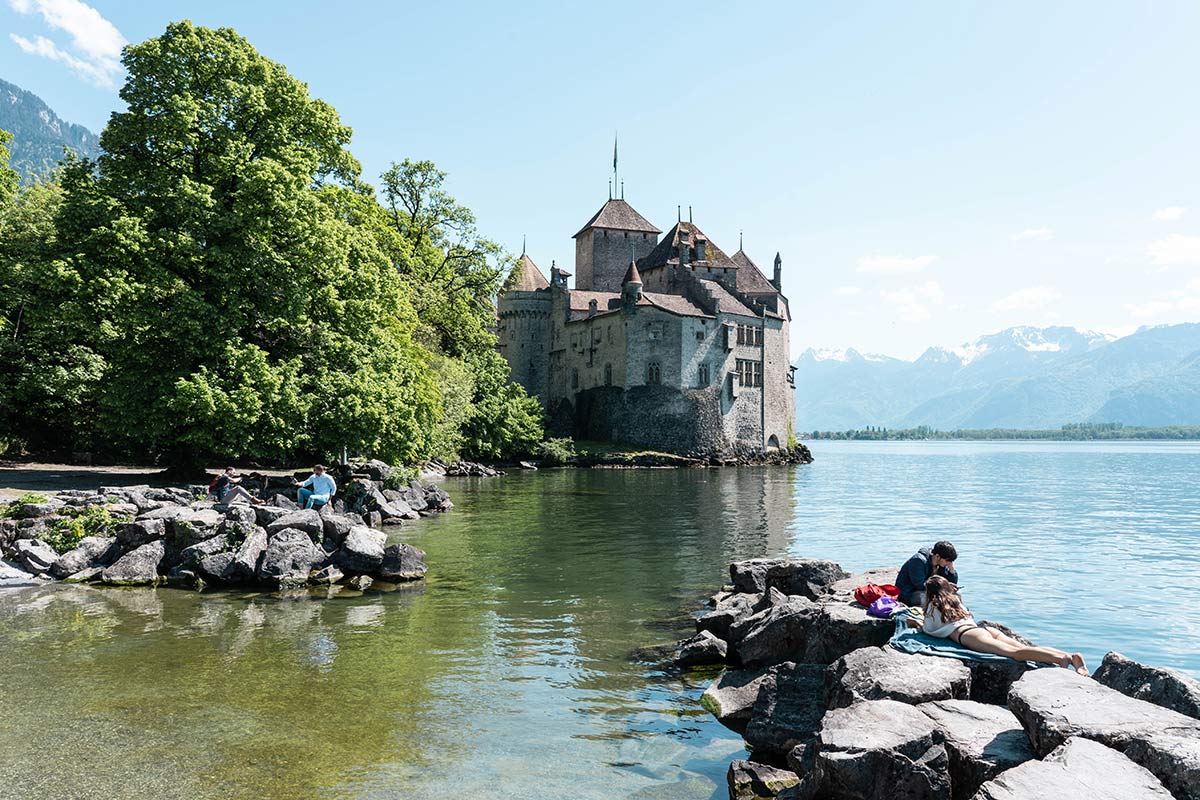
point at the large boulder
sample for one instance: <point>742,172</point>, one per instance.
<point>804,576</point>
<point>401,562</point>
<point>730,698</point>
<point>244,566</point>
<point>981,742</point>
<point>703,648</point>
<point>842,627</point>
<point>882,673</point>
<point>335,526</point>
<point>1164,687</point>
<point>193,526</point>
<point>212,567</point>
<point>361,551</point>
<point>264,514</point>
<point>880,750</point>
<point>1078,768</point>
<point>34,555</point>
<point>308,521</point>
<point>289,558</point>
<point>191,557</point>
<point>751,780</point>
<point>1055,704</point>
<point>787,714</point>
<point>730,609</point>
<point>92,551</point>
<point>774,635</point>
<point>138,567</point>
<point>13,575</point>
<point>133,535</point>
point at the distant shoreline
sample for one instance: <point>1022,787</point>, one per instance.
<point>1086,432</point>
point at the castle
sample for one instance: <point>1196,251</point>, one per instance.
<point>670,343</point>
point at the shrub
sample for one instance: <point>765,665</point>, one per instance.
<point>556,452</point>
<point>12,509</point>
<point>401,476</point>
<point>65,534</point>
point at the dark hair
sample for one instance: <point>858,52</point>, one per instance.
<point>946,551</point>
<point>318,467</point>
<point>943,595</point>
<point>230,469</point>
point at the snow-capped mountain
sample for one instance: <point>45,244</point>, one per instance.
<point>1022,377</point>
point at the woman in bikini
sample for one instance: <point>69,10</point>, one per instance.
<point>948,618</point>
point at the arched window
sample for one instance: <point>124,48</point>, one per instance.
<point>608,374</point>
<point>653,374</point>
<point>702,378</point>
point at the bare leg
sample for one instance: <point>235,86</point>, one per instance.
<point>983,640</point>
<point>1068,660</point>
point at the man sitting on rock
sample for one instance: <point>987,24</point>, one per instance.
<point>319,488</point>
<point>228,491</point>
<point>929,561</point>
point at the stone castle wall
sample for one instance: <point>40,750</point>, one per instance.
<point>602,256</point>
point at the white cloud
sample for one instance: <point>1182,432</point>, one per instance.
<point>1175,251</point>
<point>1027,299</point>
<point>913,304</point>
<point>1185,301</point>
<point>1170,213</point>
<point>1034,234</point>
<point>847,291</point>
<point>894,265</point>
<point>96,42</point>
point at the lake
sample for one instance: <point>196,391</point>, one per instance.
<point>509,672</point>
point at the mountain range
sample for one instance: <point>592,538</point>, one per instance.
<point>1022,377</point>
<point>39,135</point>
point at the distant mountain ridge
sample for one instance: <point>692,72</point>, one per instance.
<point>1023,377</point>
<point>39,134</point>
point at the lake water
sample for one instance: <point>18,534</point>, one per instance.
<point>508,673</point>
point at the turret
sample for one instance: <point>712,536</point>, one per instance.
<point>631,286</point>
<point>777,279</point>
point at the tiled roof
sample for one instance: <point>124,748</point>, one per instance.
<point>581,299</point>
<point>749,277</point>
<point>631,274</point>
<point>526,277</point>
<point>619,215</point>
<point>667,250</point>
<point>729,303</point>
<point>676,304</point>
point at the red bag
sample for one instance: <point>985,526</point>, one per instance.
<point>866,595</point>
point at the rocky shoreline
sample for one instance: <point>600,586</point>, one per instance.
<point>172,536</point>
<point>830,712</point>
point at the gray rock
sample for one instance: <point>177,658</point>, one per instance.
<point>212,567</point>
<point>308,521</point>
<point>880,750</point>
<point>401,562</point>
<point>730,698</point>
<point>13,575</point>
<point>184,578</point>
<point>981,742</point>
<point>34,555</point>
<point>191,557</point>
<point>436,499</point>
<point>32,510</point>
<point>92,551</point>
<point>238,514</point>
<point>168,512</point>
<point>703,648</point>
<point>1055,704</point>
<point>882,673</point>
<point>374,519</point>
<point>775,634</point>
<point>787,714</point>
<point>804,576</point>
<point>289,558</point>
<point>85,575</point>
<point>134,534</point>
<point>992,680</point>
<point>1077,769</point>
<point>336,526</point>
<point>360,582</point>
<point>264,515</point>
<point>1168,688</point>
<point>414,495</point>
<point>138,567</point>
<point>284,502</point>
<point>246,559</point>
<point>193,526</point>
<point>729,610</point>
<point>842,627</point>
<point>327,576</point>
<point>750,780</point>
<point>361,551</point>
<point>127,510</point>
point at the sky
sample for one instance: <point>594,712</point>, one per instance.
<point>929,171</point>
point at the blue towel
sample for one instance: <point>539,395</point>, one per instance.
<point>914,641</point>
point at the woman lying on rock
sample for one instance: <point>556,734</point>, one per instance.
<point>946,617</point>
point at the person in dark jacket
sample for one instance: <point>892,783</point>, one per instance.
<point>929,561</point>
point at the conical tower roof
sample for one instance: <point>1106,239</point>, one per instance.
<point>526,277</point>
<point>632,275</point>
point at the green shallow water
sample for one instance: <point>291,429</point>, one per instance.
<point>508,673</point>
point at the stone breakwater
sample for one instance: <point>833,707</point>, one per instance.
<point>167,535</point>
<point>830,712</point>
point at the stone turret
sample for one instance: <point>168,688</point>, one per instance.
<point>631,286</point>
<point>777,278</point>
<point>523,326</point>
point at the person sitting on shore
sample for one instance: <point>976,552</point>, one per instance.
<point>946,617</point>
<point>927,562</point>
<point>318,488</point>
<point>228,491</point>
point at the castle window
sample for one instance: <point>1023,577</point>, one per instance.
<point>653,374</point>
<point>575,379</point>
<point>699,336</point>
<point>608,374</point>
<point>758,336</point>
<point>749,373</point>
<point>702,376</point>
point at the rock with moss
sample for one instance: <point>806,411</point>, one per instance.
<point>92,551</point>
<point>731,697</point>
<point>289,558</point>
<point>751,780</point>
<point>361,552</point>
<point>138,567</point>
<point>401,562</point>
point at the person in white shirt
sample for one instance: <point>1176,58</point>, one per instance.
<point>946,617</point>
<point>318,488</point>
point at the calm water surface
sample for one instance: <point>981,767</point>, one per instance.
<point>508,674</point>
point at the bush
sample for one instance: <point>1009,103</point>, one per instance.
<point>556,452</point>
<point>12,509</point>
<point>401,476</point>
<point>66,534</point>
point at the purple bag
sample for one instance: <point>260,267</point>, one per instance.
<point>884,607</point>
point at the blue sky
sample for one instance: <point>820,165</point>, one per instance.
<point>930,171</point>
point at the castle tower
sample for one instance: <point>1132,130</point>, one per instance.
<point>523,329</point>
<point>631,285</point>
<point>605,244</point>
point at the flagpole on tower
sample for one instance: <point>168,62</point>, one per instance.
<point>615,182</point>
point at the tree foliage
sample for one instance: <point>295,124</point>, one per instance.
<point>220,282</point>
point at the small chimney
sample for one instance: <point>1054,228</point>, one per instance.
<point>593,307</point>
<point>701,248</point>
<point>777,280</point>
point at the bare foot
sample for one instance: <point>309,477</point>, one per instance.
<point>1080,667</point>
